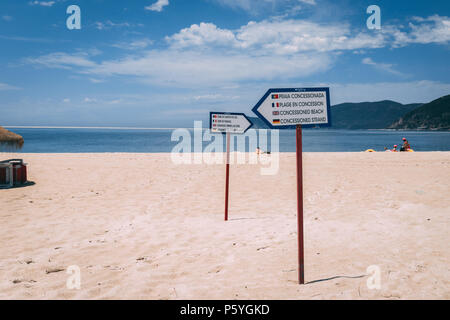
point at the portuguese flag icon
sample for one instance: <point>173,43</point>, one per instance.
<point>275,96</point>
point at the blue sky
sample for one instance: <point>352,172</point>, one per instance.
<point>166,63</point>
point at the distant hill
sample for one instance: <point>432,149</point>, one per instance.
<point>431,116</point>
<point>368,115</point>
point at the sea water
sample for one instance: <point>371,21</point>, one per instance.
<point>87,140</point>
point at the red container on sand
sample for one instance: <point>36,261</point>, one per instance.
<point>20,173</point>
<point>15,177</point>
<point>3,175</point>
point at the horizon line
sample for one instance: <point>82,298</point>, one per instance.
<point>79,127</point>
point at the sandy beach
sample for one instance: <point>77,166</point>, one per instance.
<point>140,227</point>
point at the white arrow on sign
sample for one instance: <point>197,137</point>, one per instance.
<point>226,122</point>
<point>291,107</point>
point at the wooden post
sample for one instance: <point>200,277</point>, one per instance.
<point>301,254</point>
<point>227,177</point>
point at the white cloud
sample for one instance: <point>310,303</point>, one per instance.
<point>89,100</point>
<point>62,60</point>
<point>25,39</point>
<point>193,68</point>
<point>6,87</point>
<point>158,6</point>
<point>293,36</point>
<point>278,37</point>
<point>310,2</point>
<point>7,18</point>
<point>242,4</point>
<point>214,97</point>
<point>433,29</point>
<point>67,100</point>
<point>134,45</point>
<point>256,6</point>
<point>117,101</point>
<point>109,24</point>
<point>382,66</point>
<point>42,3</point>
<point>96,80</point>
<point>208,97</point>
<point>200,35</point>
<point>368,61</point>
<point>270,50</point>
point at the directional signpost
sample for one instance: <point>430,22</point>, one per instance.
<point>228,123</point>
<point>296,108</point>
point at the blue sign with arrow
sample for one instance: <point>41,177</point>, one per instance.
<point>287,108</point>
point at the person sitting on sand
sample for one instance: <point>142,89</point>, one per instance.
<point>259,151</point>
<point>406,146</point>
<point>395,148</point>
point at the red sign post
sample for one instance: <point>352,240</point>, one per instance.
<point>294,108</point>
<point>301,253</point>
<point>227,177</point>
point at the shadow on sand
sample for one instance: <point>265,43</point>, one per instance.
<point>336,277</point>
<point>237,219</point>
<point>27,184</point>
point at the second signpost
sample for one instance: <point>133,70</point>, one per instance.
<point>228,123</point>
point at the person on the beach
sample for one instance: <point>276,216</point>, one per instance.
<point>405,146</point>
<point>259,151</point>
<point>395,148</point>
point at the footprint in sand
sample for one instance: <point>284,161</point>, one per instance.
<point>17,281</point>
<point>143,259</point>
<point>26,261</point>
<point>54,270</point>
<point>114,268</point>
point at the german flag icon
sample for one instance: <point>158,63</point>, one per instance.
<point>276,121</point>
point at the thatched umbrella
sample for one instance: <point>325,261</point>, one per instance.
<point>10,139</point>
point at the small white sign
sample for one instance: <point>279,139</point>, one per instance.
<point>224,122</point>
